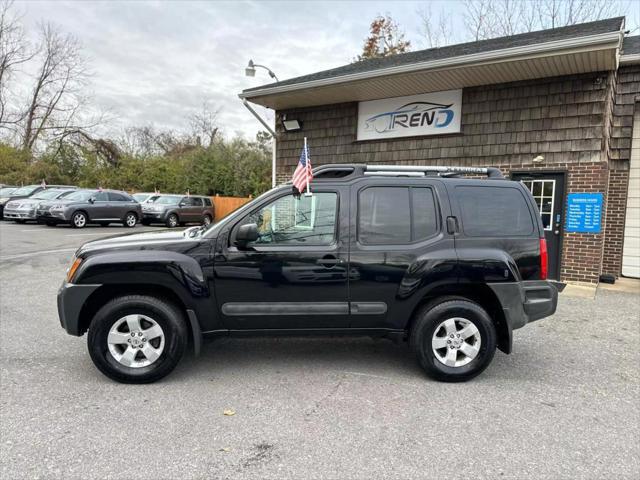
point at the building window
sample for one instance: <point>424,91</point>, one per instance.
<point>543,193</point>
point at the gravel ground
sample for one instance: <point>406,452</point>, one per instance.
<point>565,404</point>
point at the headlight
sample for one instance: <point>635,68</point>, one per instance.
<point>73,268</point>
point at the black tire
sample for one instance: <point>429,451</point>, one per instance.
<point>76,222</point>
<point>430,317</point>
<point>172,220</point>
<point>130,220</point>
<point>167,315</point>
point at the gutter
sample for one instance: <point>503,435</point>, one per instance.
<point>273,136</point>
<point>482,57</point>
<point>631,58</point>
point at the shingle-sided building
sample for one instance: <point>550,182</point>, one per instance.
<point>557,109</point>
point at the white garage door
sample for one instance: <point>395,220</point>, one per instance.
<point>631,250</point>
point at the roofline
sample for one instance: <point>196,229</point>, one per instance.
<point>481,57</point>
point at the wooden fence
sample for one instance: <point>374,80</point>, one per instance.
<point>225,205</point>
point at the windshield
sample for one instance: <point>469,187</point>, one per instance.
<point>82,195</point>
<point>49,194</point>
<point>24,191</point>
<point>166,200</point>
<point>7,191</point>
<point>141,197</point>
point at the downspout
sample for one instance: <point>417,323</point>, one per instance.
<point>273,136</point>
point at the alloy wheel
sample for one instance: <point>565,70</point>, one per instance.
<point>79,220</point>
<point>136,341</point>
<point>456,342</point>
<point>131,220</point>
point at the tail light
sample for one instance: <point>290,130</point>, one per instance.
<point>544,257</point>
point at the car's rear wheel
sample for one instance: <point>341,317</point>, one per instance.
<point>206,220</point>
<point>454,340</point>
<point>172,221</point>
<point>137,338</point>
<point>79,220</point>
<point>130,220</point>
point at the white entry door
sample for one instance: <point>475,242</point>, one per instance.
<point>631,250</point>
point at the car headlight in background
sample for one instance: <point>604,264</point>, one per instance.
<point>73,268</point>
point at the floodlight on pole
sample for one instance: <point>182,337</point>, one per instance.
<point>250,71</point>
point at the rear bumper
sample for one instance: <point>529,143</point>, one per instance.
<point>524,302</point>
<point>71,299</point>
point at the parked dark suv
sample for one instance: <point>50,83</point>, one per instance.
<point>451,265</point>
<point>83,207</point>
<point>174,210</point>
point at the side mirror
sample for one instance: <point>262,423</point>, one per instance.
<point>92,199</point>
<point>182,204</point>
<point>246,233</point>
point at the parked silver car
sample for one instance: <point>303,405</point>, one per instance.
<point>26,208</point>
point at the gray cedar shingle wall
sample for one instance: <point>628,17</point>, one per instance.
<point>561,118</point>
<point>627,93</point>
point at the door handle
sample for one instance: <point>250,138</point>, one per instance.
<point>329,261</point>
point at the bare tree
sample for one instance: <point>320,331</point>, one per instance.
<point>496,18</point>
<point>436,32</point>
<point>56,100</point>
<point>14,50</point>
<point>204,125</point>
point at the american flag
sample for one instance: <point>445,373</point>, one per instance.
<point>303,174</point>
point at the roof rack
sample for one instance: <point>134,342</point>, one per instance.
<point>344,170</point>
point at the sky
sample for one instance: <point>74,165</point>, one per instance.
<point>156,63</point>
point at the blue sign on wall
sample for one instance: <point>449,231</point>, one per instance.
<point>584,212</point>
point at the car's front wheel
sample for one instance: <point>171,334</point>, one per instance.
<point>206,220</point>
<point>79,220</point>
<point>454,340</point>
<point>137,338</point>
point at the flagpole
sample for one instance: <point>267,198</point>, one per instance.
<point>307,191</point>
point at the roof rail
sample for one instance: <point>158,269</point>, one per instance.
<point>405,170</point>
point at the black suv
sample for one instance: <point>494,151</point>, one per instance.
<point>451,265</point>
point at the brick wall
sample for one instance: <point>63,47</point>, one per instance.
<point>616,210</point>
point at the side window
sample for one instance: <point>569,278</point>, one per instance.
<point>494,212</point>
<point>207,201</point>
<point>396,215</point>
<point>423,213</point>
<point>304,220</point>
<point>197,201</point>
<point>186,201</point>
<point>117,197</point>
<point>101,197</point>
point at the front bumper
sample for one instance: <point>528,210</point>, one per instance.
<point>154,216</point>
<point>19,214</point>
<point>71,299</point>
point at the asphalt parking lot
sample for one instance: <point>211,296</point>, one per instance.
<point>565,404</point>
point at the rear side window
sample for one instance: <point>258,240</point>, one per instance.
<point>207,201</point>
<point>494,212</point>
<point>117,197</point>
<point>396,215</point>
